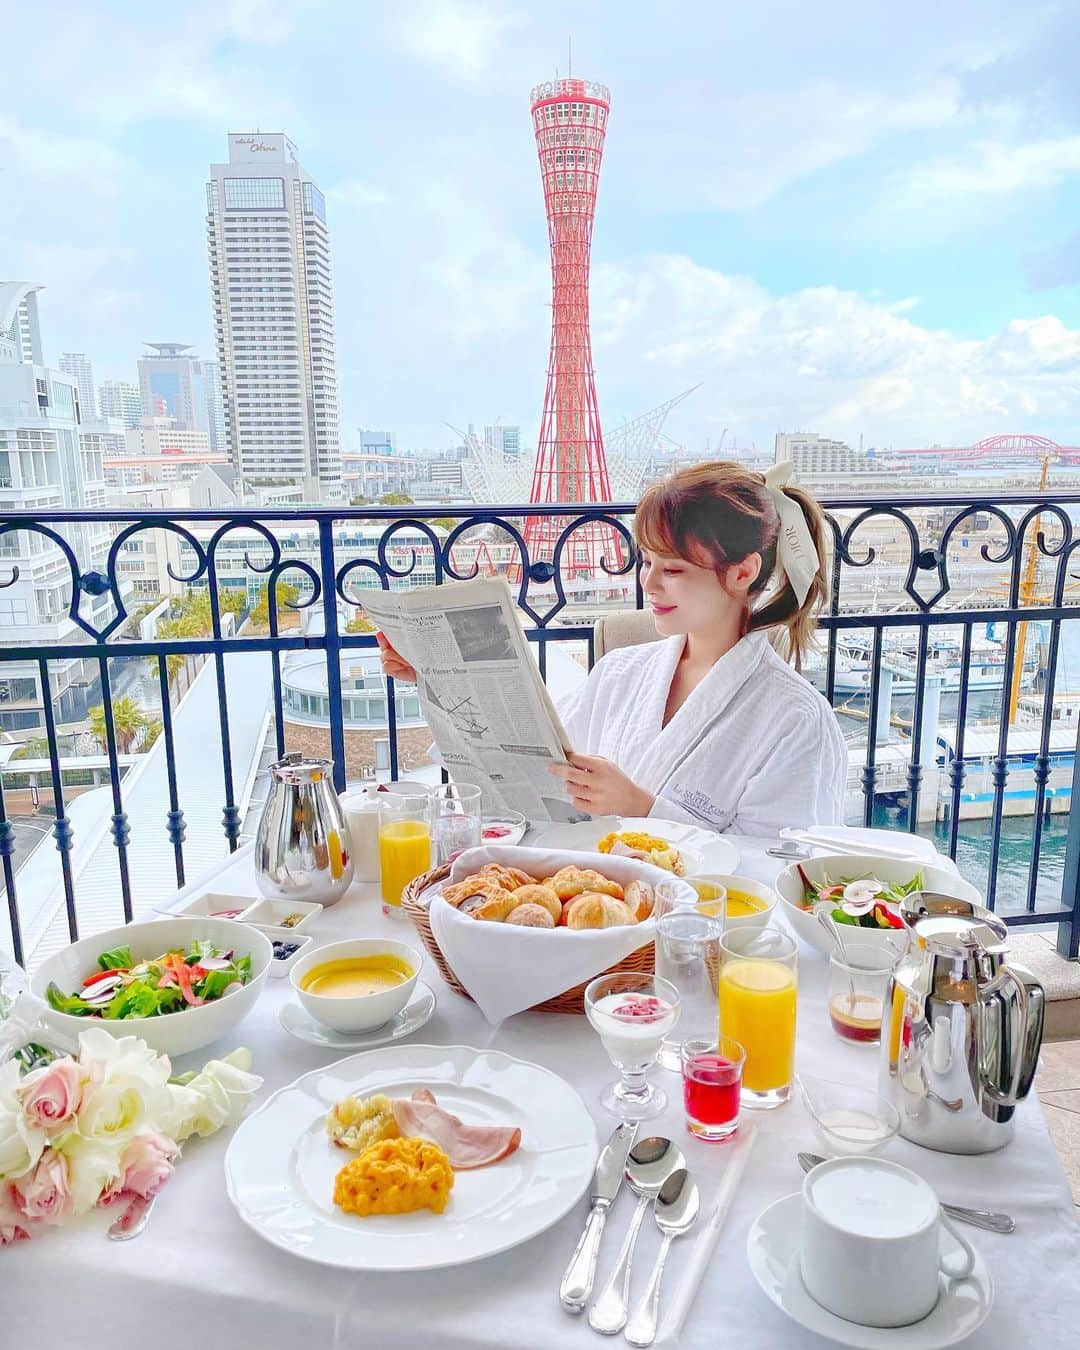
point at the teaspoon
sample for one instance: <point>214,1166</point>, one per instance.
<point>651,1161</point>
<point>675,1211</point>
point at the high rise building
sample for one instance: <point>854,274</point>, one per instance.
<point>45,464</point>
<point>570,122</point>
<point>505,441</point>
<point>171,385</point>
<point>273,315</point>
<point>77,365</point>
<point>214,407</point>
<point>377,442</point>
<point>121,402</point>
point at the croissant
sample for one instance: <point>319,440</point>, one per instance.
<point>509,878</point>
<point>474,885</point>
<point>540,894</point>
<point>570,881</point>
<point>591,910</point>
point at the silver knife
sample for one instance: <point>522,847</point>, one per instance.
<point>577,1282</point>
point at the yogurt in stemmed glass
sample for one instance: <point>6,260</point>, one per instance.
<point>632,1013</point>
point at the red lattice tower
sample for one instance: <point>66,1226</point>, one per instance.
<point>570,121</point>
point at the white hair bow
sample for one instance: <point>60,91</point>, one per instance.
<point>794,545</point>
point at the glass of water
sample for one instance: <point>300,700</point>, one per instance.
<point>688,957</point>
<point>457,820</point>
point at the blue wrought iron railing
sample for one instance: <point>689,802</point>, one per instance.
<point>934,571</point>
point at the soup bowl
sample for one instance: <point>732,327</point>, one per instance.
<point>356,1012</point>
<point>737,888</point>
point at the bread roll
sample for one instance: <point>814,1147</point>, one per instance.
<point>592,910</point>
<point>543,895</point>
<point>570,881</point>
<point>531,916</point>
<point>640,897</point>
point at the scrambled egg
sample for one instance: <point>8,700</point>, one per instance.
<point>395,1176</point>
<point>356,1124</point>
<point>661,852</point>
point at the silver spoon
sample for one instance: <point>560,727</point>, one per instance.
<point>675,1210</point>
<point>649,1165</point>
<point>993,1220</point>
<point>133,1220</point>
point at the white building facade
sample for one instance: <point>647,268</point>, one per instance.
<point>273,316</point>
<point>44,465</point>
<point>120,401</point>
<point>77,365</point>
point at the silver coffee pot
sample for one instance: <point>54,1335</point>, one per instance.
<point>962,1028</point>
<point>302,847</point>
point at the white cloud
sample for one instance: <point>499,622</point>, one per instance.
<point>992,168</point>
<point>461,37</point>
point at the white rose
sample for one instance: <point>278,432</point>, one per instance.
<point>21,1143</point>
<point>92,1163</point>
<point>127,1088</point>
<point>217,1096</point>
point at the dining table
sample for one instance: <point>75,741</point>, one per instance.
<point>198,1277</point>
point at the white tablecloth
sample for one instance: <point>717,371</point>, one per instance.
<point>199,1278</point>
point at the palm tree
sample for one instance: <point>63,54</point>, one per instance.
<point>129,721</point>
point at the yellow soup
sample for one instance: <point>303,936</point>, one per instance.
<point>356,976</point>
<point>742,903</point>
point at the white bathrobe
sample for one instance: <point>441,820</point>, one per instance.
<point>753,748</point>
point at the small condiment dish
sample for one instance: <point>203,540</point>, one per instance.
<point>283,938</point>
<point>357,1012</point>
<point>214,905</point>
<point>850,1121</point>
<point>273,913</point>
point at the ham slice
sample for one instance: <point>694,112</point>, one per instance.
<point>467,1146</point>
<point>621,850</point>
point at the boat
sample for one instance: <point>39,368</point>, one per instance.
<point>900,655</point>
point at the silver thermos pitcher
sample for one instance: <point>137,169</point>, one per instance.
<point>962,1028</point>
<point>302,847</point>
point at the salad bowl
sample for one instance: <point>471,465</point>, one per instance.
<point>171,1033</point>
<point>894,875</point>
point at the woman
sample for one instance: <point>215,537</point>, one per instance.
<point>712,725</point>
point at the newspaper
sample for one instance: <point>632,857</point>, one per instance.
<point>489,711</point>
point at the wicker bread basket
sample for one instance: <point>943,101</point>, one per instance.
<point>572,1001</point>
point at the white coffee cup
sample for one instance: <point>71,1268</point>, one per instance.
<point>871,1242</point>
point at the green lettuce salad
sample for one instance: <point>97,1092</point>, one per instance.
<point>122,987</point>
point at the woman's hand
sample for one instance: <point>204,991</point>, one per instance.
<point>393,663</point>
<point>601,788</point>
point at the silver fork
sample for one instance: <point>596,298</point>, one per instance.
<point>992,1220</point>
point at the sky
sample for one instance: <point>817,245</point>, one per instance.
<point>852,218</point>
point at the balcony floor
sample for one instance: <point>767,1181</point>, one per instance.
<point>1058,1083</point>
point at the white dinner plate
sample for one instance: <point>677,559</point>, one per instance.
<point>298,1022</point>
<point>772,1248</point>
<point>702,850</point>
<point>280,1165</point>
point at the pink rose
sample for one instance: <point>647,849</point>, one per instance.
<point>51,1095</point>
<point>45,1193</point>
<point>13,1222</point>
<point>147,1164</point>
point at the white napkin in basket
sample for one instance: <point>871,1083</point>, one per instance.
<point>507,968</point>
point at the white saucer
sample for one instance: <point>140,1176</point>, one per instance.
<point>772,1248</point>
<point>298,1022</point>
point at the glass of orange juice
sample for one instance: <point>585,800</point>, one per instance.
<point>404,843</point>
<point>758,990</point>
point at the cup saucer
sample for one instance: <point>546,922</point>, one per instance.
<point>772,1248</point>
<point>298,1022</point>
